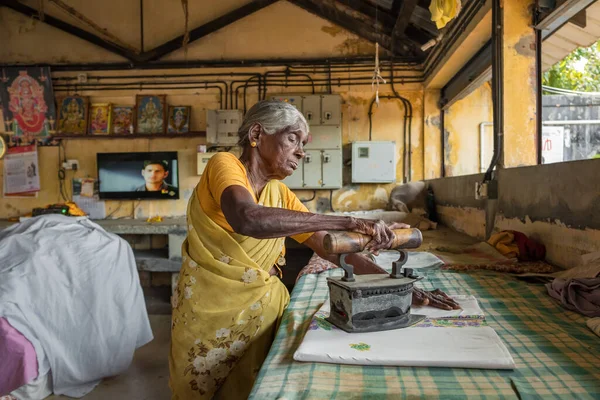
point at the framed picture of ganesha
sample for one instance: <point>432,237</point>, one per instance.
<point>27,101</point>
<point>73,115</point>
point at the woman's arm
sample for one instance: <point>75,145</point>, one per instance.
<point>250,219</point>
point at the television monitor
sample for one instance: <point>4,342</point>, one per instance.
<point>136,176</point>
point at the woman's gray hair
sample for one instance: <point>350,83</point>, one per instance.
<point>273,116</point>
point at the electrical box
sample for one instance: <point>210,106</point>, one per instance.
<point>331,109</point>
<point>373,162</point>
<point>324,137</point>
<point>222,127</point>
<point>295,100</point>
<point>311,108</point>
<point>322,165</point>
<point>202,160</point>
<point>332,172</point>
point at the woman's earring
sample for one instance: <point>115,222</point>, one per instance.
<point>253,144</point>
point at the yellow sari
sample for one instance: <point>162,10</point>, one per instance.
<point>226,307</point>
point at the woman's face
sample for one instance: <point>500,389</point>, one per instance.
<point>281,152</point>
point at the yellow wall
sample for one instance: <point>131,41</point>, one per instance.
<point>432,131</point>
<point>461,125</point>
<point>520,87</point>
<point>268,33</point>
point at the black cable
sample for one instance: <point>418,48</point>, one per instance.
<point>311,199</point>
<point>62,172</point>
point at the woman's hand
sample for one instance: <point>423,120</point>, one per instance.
<point>381,234</point>
<point>435,298</point>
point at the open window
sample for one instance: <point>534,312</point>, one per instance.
<point>570,78</point>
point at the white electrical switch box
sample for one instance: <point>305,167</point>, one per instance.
<point>202,160</point>
<point>374,162</point>
<point>222,127</point>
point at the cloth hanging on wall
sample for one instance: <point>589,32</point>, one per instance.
<point>443,11</point>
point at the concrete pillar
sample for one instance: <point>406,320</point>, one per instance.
<point>432,134</point>
<point>520,128</point>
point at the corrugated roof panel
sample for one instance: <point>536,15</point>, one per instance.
<point>570,37</point>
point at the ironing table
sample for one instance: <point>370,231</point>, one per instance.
<point>556,355</point>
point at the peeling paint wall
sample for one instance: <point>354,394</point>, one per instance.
<point>520,137</point>
<point>556,204</point>
<point>456,204</point>
<point>432,132</point>
<point>461,129</point>
<point>269,33</point>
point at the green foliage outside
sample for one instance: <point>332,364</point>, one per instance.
<point>578,71</point>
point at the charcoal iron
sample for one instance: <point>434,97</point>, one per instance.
<point>375,302</point>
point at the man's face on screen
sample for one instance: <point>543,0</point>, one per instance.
<point>154,174</point>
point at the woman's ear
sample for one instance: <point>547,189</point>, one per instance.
<point>254,133</point>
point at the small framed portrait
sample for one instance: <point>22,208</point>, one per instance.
<point>100,118</point>
<point>179,119</point>
<point>73,115</point>
<point>123,119</point>
<point>150,113</point>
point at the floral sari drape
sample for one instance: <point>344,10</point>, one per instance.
<point>226,307</point>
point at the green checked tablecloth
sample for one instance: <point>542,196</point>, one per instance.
<point>556,355</point>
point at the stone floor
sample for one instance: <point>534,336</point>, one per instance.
<point>148,376</point>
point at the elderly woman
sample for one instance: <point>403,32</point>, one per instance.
<point>229,299</point>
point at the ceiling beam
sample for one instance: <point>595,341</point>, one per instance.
<point>345,21</point>
<point>87,21</point>
<point>561,15</point>
<point>406,11</point>
<point>421,18</point>
<point>206,29</point>
<point>370,10</point>
<point>73,30</point>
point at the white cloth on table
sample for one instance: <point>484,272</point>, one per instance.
<point>73,290</point>
<point>459,345</point>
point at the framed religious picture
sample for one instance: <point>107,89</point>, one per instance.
<point>27,101</point>
<point>123,118</point>
<point>73,114</point>
<point>100,118</point>
<point>150,113</point>
<point>179,119</point>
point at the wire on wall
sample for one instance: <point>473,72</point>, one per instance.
<point>62,173</point>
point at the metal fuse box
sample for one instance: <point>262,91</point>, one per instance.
<point>374,162</point>
<point>311,108</point>
<point>295,100</point>
<point>324,137</point>
<point>331,109</point>
<point>222,127</point>
<point>332,169</point>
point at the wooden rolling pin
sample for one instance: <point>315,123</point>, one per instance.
<point>352,242</point>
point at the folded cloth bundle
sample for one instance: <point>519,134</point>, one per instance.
<point>516,244</point>
<point>581,294</point>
